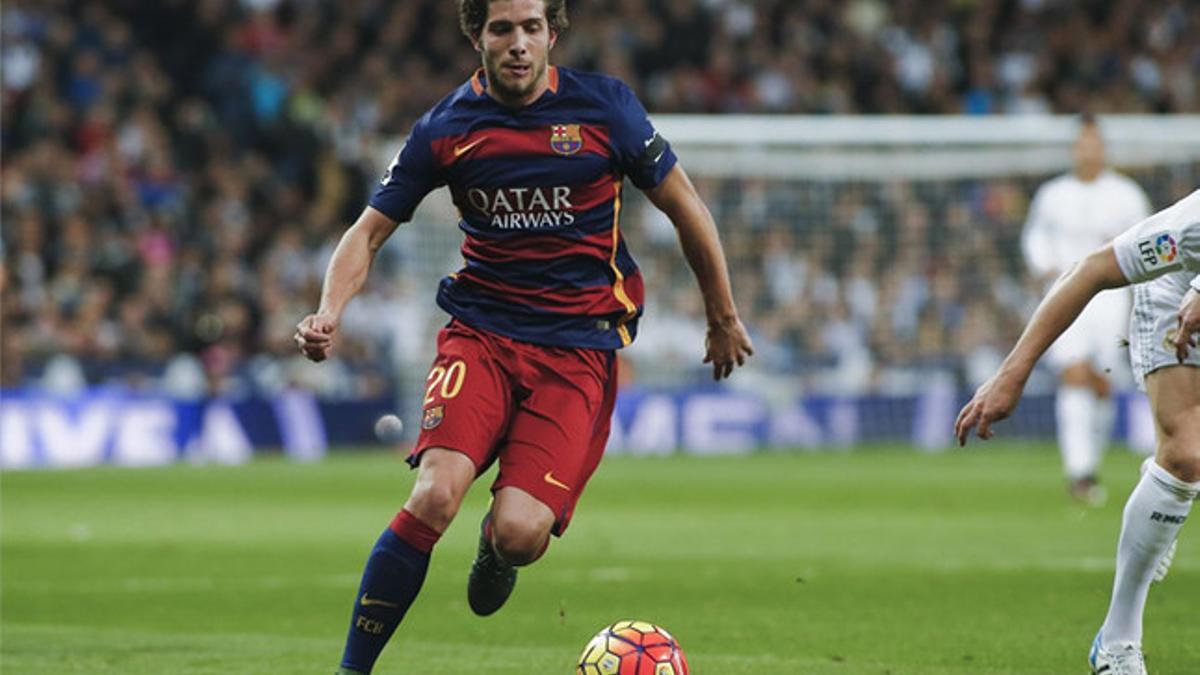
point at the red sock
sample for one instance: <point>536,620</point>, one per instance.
<point>414,532</point>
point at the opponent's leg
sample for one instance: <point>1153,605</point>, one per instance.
<point>1154,513</point>
<point>396,567</point>
<point>1075,411</point>
<point>515,532</point>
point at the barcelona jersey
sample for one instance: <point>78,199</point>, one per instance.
<point>539,193</point>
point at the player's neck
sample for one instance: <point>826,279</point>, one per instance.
<point>1088,175</point>
<point>540,87</point>
<point>521,101</point>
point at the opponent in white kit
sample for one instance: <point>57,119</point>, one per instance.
<point>1071,215</point>
<point>1162,255</point>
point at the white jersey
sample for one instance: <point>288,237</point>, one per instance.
<point>1069,218</point>
<point>1168,241</point>
<point>1161,255</point>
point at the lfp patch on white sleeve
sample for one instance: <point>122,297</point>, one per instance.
<point>1158,250</point>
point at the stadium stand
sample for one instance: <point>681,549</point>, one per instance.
<point>175,174</point>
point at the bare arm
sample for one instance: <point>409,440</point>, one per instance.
<point>728,344</point>
<point>996,398</point>
<point>344,278</point>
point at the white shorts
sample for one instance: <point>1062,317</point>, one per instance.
<point>1153,322</point>
<point>1097,337</point>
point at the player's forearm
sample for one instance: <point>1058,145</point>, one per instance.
<point>702,248</point>
<point>347,271</point>
<point>1059,309</point>
<point>701,244</point>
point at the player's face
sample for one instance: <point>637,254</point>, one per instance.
<point>515,44</point>
<point>1089,153</point>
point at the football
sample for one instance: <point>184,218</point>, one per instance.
<point>632,648</point>
<point>389,429</point>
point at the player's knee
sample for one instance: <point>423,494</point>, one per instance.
<point>1183,465</point>
<point>434,503</point>
<point>519,541</point>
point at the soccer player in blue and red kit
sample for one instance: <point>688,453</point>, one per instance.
<point>525,375</point>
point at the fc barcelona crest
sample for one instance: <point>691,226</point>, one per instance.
<point>566,139</point>
<point>433,417</point>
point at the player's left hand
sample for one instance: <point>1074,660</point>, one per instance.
<point>993,401</point>
<point>726,345</point>
<point>1188,324</point>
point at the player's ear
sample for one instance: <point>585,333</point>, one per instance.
<point>475,43</point>
<point>553,40</point>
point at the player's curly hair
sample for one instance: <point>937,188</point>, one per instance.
<point>472,14</point>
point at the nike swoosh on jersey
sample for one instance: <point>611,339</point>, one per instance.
<point>459,150</point>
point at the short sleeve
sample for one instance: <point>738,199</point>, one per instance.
<point>1148,250</point>
<point>411,176</point>
<point>642,154</point>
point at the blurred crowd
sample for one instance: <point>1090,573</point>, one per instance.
<point>863,287</point>
<point>175,174</point>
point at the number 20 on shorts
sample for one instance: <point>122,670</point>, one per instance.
<point>449,378</point>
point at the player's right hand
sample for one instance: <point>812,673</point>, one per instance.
<point>1188,324</point>
<point>993,401</point>
<point>314,336</point>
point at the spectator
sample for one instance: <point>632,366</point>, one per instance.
<point>174,173</point>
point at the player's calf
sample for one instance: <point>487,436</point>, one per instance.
<point>515,532</point>
<point>492,578</point>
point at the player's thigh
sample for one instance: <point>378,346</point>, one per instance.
<point>467,400</point>
<point>550,450</point>
<point>1175,399</point>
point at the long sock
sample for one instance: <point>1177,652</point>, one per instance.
<point>391,580</point>
<point>1154,515</point>
<point>1074,410</point>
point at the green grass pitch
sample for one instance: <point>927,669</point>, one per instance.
<point>876,562</point>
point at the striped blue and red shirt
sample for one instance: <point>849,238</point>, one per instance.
<point>539,193</point>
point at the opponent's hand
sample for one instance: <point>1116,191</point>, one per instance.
<point>314,336</point>
<point>993,401</point>
<point>1188,324</point>
<point>727,344</point>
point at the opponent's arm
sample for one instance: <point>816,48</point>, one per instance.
<point>1037,246</point>
<point>727,343</point>
<point>344,278</point>
<point>996,398</point>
